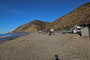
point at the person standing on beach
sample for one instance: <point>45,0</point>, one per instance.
<point>51,32</point>
<point>40,32</point>
<point>64,31</point>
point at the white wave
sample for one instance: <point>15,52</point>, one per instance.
<point>5,36</point>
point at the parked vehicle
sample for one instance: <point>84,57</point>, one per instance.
<point>76,29</point>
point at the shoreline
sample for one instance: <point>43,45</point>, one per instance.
<point>12,38</point>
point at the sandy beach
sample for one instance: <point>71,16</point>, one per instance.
<point>37,46</point>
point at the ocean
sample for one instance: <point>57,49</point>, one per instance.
<point>10,35</point>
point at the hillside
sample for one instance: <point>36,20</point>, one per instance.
<point>33,26</point>
<point>79,16</point>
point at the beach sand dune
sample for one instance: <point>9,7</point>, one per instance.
<point>37,46</point>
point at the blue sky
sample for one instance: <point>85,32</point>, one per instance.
<point>14,13</point>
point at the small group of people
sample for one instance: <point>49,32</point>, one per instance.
<point>49,31</point>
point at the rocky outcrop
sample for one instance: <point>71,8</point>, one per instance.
<point>79,16</point>
<point>33,26</point>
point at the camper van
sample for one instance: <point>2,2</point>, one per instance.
<point>76,29</point>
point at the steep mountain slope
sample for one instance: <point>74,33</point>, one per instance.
<point>33,26</point>
<point>79,16</point>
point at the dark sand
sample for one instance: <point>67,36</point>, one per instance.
<point>37,46</point>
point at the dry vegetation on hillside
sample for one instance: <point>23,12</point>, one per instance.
<point>33,26</point>
<point>80,15</point>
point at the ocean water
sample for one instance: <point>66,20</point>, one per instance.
<point>10,36</point>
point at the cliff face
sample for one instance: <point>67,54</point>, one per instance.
<point>79,16</point>
<point>33,26</point>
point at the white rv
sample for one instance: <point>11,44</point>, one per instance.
<point>76,29</point>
